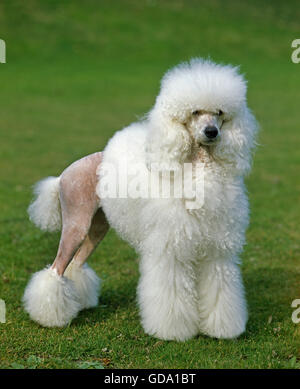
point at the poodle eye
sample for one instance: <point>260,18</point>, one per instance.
<point>220,113</point>
<point>197,112</point>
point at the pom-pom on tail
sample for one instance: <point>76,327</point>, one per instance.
<point>45,211</point>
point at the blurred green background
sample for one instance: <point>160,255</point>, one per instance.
<point>78,71</point>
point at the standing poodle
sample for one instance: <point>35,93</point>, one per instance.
<point>190,279</point>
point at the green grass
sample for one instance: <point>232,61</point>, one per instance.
<point>78,71</point>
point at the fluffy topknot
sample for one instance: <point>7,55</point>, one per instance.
<point>201,84</point>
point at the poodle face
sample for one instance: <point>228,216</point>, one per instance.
<point>201,104</point>
<point>205,127</point>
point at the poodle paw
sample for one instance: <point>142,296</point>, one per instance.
<point>216,326</point>
<point>86,282</point>
<point>51,300</point>
<point>170,323</point>
<point>177,333</point>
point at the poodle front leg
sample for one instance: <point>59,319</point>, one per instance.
<point>222,305</point>
<point>167,301</point>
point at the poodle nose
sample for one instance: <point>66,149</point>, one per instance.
<point>211,132</point>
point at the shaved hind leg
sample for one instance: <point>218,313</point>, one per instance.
<point>97,231</point>
<point>85,279</point>
<point>79,204</point>
<point>54,297</point>
<point>84,226</point>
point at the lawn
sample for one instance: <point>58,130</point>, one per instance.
<point>78,71</point>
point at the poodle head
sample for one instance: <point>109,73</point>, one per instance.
<point>201,105</point>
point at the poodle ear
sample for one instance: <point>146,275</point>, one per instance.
<point>168,142</point>
<point>238,141</point>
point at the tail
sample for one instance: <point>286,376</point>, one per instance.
<point>45,211</point>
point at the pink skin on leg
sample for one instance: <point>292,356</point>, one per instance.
<point>83,222</point>
<point>97,231</point>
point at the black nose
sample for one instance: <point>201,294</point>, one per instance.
<point>211,132</point>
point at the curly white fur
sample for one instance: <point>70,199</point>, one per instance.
<point>190,277</point>
<point>189,258</point>
<point>50,299</point>
<point>45,210</point>
<point>87,283</point>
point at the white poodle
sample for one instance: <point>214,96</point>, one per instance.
<point>189,255</point>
